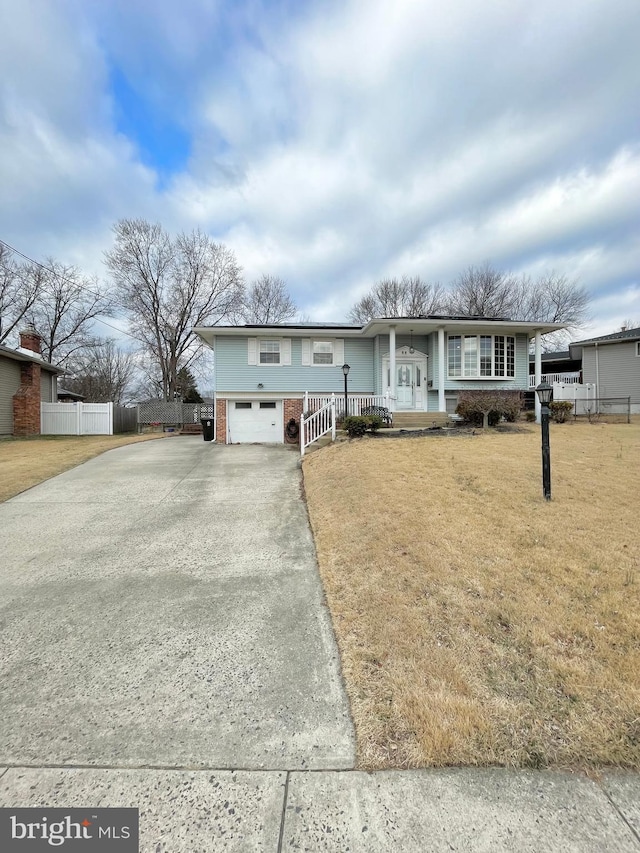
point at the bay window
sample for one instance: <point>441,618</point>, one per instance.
<point>481,356</point>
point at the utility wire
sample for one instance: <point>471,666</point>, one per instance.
<point>74,283</point>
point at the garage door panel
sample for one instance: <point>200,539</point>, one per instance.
<point>255,421</point>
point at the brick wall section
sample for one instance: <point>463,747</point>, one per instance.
<point>221,421</point>
<point>292,409</point>
<point>26,401</point>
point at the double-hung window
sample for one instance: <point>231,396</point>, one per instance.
<point>481,356</point>
<point>269,352</point>
<point>323,352</point>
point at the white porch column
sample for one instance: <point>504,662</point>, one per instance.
<point>392,366</point>
<point>442,403</point>
<point>538,372</point>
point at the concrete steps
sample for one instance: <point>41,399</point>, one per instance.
<point>419,420</point>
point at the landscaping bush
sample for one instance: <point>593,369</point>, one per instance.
<point>356,426</point>
<point>485,408</point>
<point>560,410</point>
<point>530,417</point>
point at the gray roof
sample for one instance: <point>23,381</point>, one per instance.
<point>559,355</point>
<point>627,335</point>
<point>23,355</point>
<point>64,392</point>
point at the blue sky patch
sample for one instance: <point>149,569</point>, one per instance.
<point>162,144</point>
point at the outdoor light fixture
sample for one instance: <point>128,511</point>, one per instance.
<point>260,385</point>
<point>411,349</point>
<point>345,370</point>
<point>544,392</point>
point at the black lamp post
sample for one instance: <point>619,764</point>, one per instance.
<point>345,370</point>
<point>544,391</point>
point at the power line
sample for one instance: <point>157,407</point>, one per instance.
<point>62,278</point>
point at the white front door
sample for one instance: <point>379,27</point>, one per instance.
<point>405,384</point>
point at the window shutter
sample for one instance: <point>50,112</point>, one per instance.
<point>338,352</point>
<point>306,352</point>
<point>252,351</point>
<point>285,355</point>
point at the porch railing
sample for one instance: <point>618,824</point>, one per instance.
<point>571,378</point>
<point>319,423</point>
<point>355,402</point>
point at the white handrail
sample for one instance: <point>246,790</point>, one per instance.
<point>318,423</point>
<point>355,402</point>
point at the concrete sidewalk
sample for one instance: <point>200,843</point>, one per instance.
<point>409,811</point>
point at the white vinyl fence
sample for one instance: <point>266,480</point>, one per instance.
<point>76,418</point>
<point>582,396</point>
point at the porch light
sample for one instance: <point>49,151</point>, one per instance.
<point>345,370</point>
<point>411,349</point>
<point>544,391</point>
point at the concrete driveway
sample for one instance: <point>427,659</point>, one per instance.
<point>160,606</point>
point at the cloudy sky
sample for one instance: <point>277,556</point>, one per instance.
<point>332,143</point>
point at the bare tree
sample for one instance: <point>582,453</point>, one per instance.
<point>628,324</point>
<point>101,373</point>
<point>67,306</point>
<point>553,298</point>
<point>267,301</point>
<point>20,287</point>
<point>485,292</point>
<point>169,285</point>
<point>409,297</point>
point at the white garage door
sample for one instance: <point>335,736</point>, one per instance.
<point>255,421</point>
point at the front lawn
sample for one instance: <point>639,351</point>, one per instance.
<point>478,624</point>
<point>25,462</point>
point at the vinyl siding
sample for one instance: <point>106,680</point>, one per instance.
<point>618,370</point>
<point>9,384</point>
<point>233,373</point>
<point>46,391</point>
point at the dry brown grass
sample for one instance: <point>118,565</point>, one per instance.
<point>25,462</point>
<point>477,623</point>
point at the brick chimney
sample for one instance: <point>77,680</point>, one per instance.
<point>30,339</point>
<point>26,400</point>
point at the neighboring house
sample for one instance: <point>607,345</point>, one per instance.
<point>25,381</point>
<point>265,375</point>
<point>612,363</point>
<point>557,367</point>
<point>66,396</point>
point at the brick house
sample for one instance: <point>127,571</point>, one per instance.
<point>26,380</point>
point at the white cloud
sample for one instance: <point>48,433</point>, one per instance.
<point>352,141</point>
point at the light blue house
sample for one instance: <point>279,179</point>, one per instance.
<point>265,376</point>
